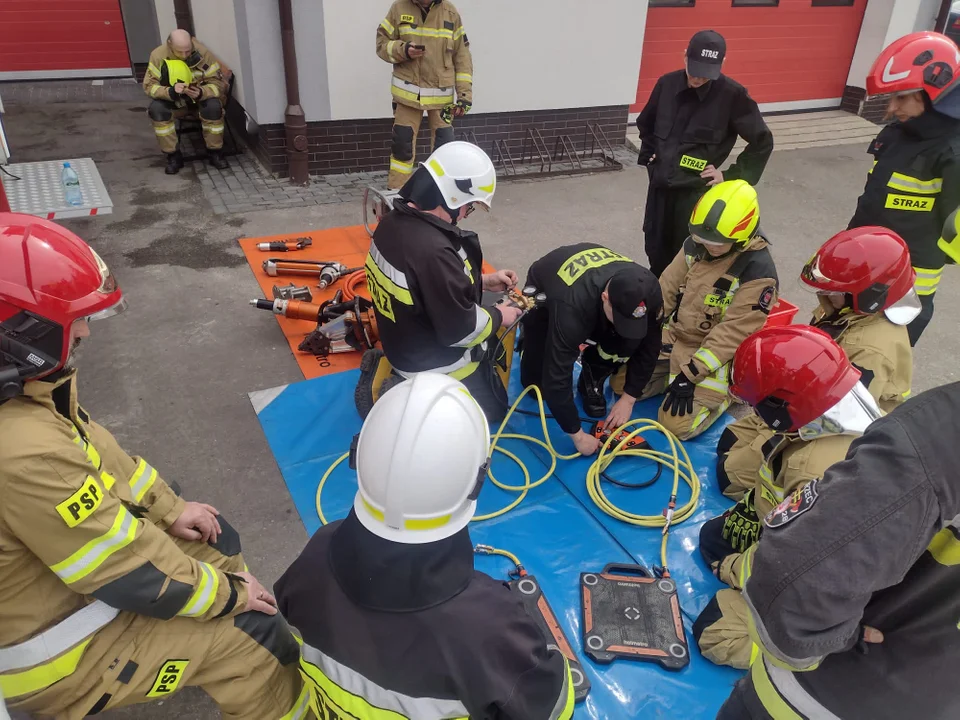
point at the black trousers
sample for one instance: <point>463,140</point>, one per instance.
<point>485,386</point>
<point>536,328</point>
<point>666,222</point>
<point>919,324</point>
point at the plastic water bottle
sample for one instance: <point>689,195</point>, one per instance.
<point>71,185</point>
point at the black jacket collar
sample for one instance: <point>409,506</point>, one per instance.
<point>930,125</point>
<point>378,574</point>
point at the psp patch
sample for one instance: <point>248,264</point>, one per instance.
<point>766,299</point>
<point>168,678</point>
<point>793,507</point>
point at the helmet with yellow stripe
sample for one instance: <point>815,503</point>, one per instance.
<point>177,71</point>
<point>728,213</point>
<point>421,460</point>
<point>463,173</point>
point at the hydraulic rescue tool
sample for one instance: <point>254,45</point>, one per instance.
<point>635,442</point>
<point>293,309</point>
<point>285,245</point>
<point>380,202</point>
<point>341,326</point>
<point>329,271</point>
<point>292,292</point>
<point>537,607</point>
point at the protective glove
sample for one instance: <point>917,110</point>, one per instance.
<point>679,396</point>
<point>447,113</point>
<point>741,527</point>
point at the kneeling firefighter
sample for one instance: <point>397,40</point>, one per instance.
<point>438,639</point>
<point>113,590</point>
<point>865,286</point>
<point>803,387</point>
<point>598,298</point>
<point>718,290</point>
<point>425,277</point>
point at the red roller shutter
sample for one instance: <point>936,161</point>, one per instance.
<point>784,53</point>
<point>62,38</point>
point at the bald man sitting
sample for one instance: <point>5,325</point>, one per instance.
<point>184,78</point>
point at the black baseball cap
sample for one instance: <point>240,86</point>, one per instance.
<point>705,54</point>
<point>634,293</point>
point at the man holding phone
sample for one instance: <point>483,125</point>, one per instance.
<point>425,42</point>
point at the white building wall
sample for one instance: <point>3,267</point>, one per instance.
<point>215,24</point>
<point>166,20</point>
<point>883,22</point>
<point>531,55</point>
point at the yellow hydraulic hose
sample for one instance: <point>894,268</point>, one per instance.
<point>675,460</point>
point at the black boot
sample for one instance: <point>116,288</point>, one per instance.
<point>174,162</point>
<point>218,160</point>
<point>590,387</point>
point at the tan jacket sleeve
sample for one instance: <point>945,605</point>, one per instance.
<point>744,317</point>
<point>151,78</point>
<point>671,281</point>
<point>140,484</point>
<point>390,48</point>
<point>462,63</point>
<point>212,82</point>
<point>93,542</point>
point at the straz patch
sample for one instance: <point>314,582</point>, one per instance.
<point>407,19</point>
<point>81,505</point>
<point>793,507</point>
<point>718,301</point>
<point>766,299</point>
<point>381,298</point>
<point>573,268</point>
<point>906,202</point>
<point>169,677</point>
<point>692,163</point>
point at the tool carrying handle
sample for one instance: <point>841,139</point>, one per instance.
<point>627,569</point>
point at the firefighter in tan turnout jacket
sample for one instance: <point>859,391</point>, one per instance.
<point>183,77</point>
<point>113,589</point>
<point>864,284</point>
<point>717,291</point>
<point>425,42</point>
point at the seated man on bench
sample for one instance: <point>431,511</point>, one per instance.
<point>184,78</point>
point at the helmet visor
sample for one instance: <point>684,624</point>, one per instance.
<point>905,310</point>
<point>851,416</point>
<point>115,309</point>
<point>708,243</point>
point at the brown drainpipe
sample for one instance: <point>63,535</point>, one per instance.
<point>294,119</point>
<point>183,14</point>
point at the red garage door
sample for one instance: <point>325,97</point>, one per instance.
<point>62,38</point>
<point>797,50</point>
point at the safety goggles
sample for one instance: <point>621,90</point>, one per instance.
<point>852,415</point>
<point>708,243</point>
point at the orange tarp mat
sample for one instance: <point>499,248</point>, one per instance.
<point>348,245</point>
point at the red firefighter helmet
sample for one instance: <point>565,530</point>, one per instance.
<point>870,264</point>
<point>924,60</point>
<point>49,278</point>
<point>791,375</point>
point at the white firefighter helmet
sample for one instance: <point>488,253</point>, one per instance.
<point>464,173</point>
<point>421,459</point>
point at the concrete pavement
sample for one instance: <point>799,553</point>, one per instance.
<point>170,377</point>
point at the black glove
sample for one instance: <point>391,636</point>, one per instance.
<point>741,526</point>
<point>679,399</point>
<point>173,94</point>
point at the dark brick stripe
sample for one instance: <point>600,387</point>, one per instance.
<point>344,146</point>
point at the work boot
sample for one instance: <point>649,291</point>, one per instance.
<point>174,162</point>
<point>376,377</point>
<point>590,387</point>
<point>218,160</point>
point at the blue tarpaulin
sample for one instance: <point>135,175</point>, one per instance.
<point>557,531</point>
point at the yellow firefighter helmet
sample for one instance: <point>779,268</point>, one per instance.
<point>177,72</point>
<point>728,213</point>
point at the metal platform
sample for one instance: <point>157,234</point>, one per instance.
<point>39,192</point>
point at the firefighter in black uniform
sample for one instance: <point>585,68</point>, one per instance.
<point>914,184</point>
<point>687,130</point>
<point>395,621</point>
<point>601,298</point>
<point>852,593</point>
<point>425,278</point>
